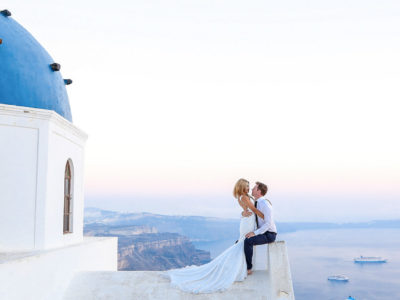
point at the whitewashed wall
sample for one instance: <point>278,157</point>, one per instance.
<point>18,168</point>
<point>35,146</point>
<point>46,274</point>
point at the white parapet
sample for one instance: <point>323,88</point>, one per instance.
<point>45,274</point>
<point>274,258</point>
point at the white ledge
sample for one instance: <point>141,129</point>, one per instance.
<point>42,114</point>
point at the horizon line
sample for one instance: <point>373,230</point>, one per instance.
<point>209,217</point>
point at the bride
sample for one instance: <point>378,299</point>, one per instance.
<point>229,266</point>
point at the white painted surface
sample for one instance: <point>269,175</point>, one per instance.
<point>18,154</point>
<point>63,146</point>
<point>35,146</point>
<point>260,257</point>
<point>279,272</point>
<point>273,258</point>
<point>145,285</point>
<point>45,275</point>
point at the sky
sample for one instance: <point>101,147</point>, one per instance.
<point>180,99</point>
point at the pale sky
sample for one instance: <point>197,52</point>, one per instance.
<point>182,98</point>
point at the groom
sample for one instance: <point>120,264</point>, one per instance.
<point>266,229</point>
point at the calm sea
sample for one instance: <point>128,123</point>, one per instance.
<point>316,254</point>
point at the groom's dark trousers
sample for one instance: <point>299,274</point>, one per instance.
<point>261,239</point>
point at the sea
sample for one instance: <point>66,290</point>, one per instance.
<point>316,254</point>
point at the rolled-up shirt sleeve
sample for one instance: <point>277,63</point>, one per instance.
<point>263,207</point>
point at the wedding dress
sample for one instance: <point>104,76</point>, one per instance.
<point>221,272</point>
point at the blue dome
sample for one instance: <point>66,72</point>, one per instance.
<point>26,78</point>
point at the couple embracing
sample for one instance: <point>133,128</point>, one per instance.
<point>257,227</point>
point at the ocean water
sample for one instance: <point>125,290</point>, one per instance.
<point>316,254</point>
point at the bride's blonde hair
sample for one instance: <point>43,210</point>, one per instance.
<point>240,188</point>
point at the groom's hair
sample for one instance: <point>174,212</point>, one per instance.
<point>262,187</point>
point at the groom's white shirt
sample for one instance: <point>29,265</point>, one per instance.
<point>266,224</point>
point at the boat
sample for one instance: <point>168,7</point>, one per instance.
<point>338,278</point>
<point>369,259</point>
<point>350,298</point>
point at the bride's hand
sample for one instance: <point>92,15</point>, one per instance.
<point>250,234</point>
<point>246,213</point>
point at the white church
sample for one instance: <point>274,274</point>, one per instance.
<point>43,253</point>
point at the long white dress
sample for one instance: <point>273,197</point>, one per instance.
<point>221,272</point>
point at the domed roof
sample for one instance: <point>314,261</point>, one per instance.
<point>26,77</point>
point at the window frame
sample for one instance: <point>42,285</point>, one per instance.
<point>68,198</point>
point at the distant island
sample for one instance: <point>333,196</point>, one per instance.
<point>160,242</point>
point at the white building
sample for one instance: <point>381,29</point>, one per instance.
<point>43,254</point>
<point>41,176</point>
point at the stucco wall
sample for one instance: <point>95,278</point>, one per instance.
<point>35,146</point>
<point>45,275</point>
<point>18,168</point>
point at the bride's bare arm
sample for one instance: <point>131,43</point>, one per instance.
<point>252,207</point>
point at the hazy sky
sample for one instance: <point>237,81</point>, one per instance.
<point>182,98</point>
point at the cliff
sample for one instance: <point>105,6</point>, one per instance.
<point>142,247</point>
<point>158,251</point>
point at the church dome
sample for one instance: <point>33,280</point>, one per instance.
<point>28,75</point>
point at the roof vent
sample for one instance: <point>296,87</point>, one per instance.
<point>55,67</point>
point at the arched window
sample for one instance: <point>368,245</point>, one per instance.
<point>68,198</point>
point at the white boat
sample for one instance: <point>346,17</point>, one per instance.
<point>369,259</point>
<point>338,278</point>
